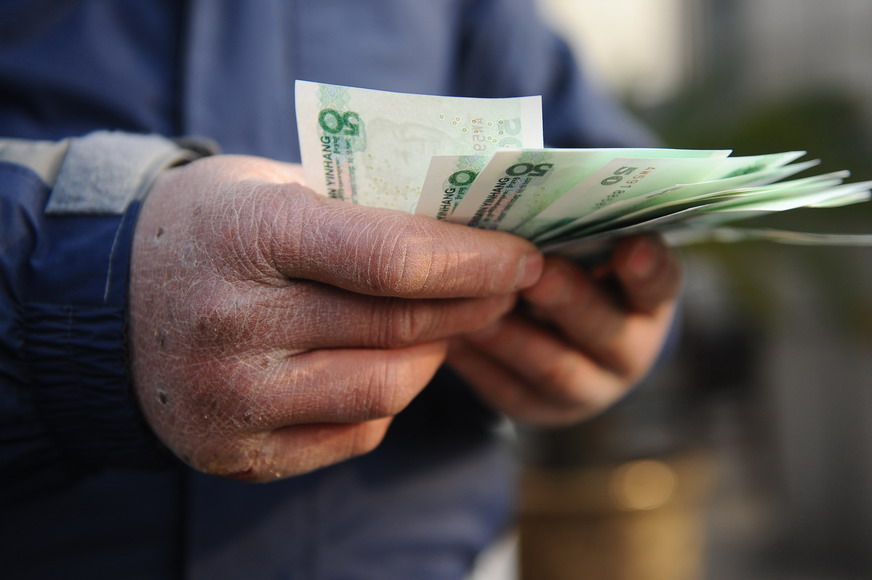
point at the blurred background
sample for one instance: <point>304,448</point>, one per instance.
<point>748,454</point>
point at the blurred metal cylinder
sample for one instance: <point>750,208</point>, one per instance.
<point>635,520</point>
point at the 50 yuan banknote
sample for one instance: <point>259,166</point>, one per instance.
<point>373,147</point>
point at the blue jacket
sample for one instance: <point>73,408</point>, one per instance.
<point>86,88</point>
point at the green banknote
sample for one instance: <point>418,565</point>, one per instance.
<point>515,186</point>
<point>698,224</point>
<point>628,179</point>
<point>818,191</point>
<point>696,235</point>
<point>373,147</point>
<point>448,179</point>
<point>694,193</point>
<point>824,193</point>
<point>480,162</point>
<point>662,183</point>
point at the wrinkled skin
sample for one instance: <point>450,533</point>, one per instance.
<point>274,331</point>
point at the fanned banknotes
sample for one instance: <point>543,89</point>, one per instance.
<point>481,162</point>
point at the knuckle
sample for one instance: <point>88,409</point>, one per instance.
<point>569,387</point>
<point>402,260</point>
<point>215,316</point>
<point>400,322</point>
<point>400,269</point>
<point>561,378</point>
<point>600,328</point>
<point>380,399</point>
<point>388,390</point>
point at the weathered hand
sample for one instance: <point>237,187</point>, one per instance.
<point>275,331</point>
<point>580,342</point>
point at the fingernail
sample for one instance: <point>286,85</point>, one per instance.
<point>643,259</point>
<point>529,271</point>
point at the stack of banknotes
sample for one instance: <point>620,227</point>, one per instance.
<point>482,163</point>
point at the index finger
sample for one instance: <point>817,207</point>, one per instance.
<point>390,253</point>
<point>649,272</point>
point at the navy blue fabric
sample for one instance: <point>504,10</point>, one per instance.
<point>114,524</point>
<point>419,506</point>
<point>75,455</point>
<point>68,67</point>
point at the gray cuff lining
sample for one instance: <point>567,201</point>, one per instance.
<point>104,171</point>
<point>42,157</point>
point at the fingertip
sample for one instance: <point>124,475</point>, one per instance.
<point>648,270</point>
<point>641,256</point>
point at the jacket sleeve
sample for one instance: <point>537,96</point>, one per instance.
<point>67,213</point>
<point>509,51</point>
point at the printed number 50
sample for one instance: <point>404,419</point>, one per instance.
<point>334,122</point>
<point>618,175</point>
<point>531,169</point>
